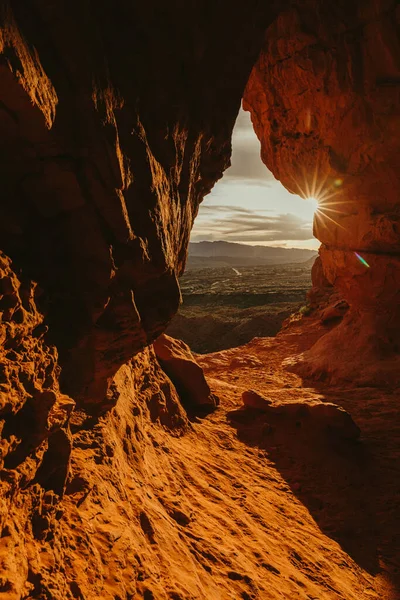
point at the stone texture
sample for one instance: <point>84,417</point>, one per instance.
<point>178,362</point>
<point>108,145</point>
<point>324,100</point>
<point>32,409</point>
<point>115,121</point>
<point>312,415</point>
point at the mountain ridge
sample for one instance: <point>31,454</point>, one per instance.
<point>242,254</point>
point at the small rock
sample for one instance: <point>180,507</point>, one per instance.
<point>240,362</point>
<point>253,399</point>
<point>180,517</point>
<point>178,362</point>
<point>335,311</point>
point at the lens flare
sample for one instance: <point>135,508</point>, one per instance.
<point>325,192</point>
<point>313,202</point>
<point>362,260</point>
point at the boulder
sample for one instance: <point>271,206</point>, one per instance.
<point>334,311</point>
<point>178,362</point>
<point>320,417</point>
<point>252,399</point>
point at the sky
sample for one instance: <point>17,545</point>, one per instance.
<point>248,205</point>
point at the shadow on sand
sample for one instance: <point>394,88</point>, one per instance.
<point>350,487</point>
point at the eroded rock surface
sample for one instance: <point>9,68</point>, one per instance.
<point>324,99</point>
<point>316,417</point>
<point>115,121</point>
<point>108,145</point>
<point>178,362</point>
<point>34,413</point>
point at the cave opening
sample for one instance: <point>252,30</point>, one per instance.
<point>110,139</point>
<point>250,254</point>
<point>249,206</point>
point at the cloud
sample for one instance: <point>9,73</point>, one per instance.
<point>246,162</point>
<point>226,208</point>
<point>241,219</point>
<point>247,165</point>
<point>244,225</point>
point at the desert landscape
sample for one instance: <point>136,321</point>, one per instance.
<point>226,306</point>
<point>261,459</point>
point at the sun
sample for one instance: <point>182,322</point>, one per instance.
<point>322,196</point>
<point>313,203</point>
<point>307,207</point>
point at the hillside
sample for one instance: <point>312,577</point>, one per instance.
<point>219,254</point>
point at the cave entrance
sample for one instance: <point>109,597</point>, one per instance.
<point>250,207</point>
<point>250,256</point>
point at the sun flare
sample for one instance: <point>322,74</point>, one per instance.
<point>313,203</point>
<point>307,207</point>
<point>325,197</point>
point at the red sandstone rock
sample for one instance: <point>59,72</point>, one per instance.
<point>103,167</point>
<point>335,311</point>
<point>185,373</point>
<point>252,399</point>
<point>319,416</point>
<point>326,113</point>
<point>109,140</point>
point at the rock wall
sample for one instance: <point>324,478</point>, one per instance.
<point>324,99</point>
<point>115,121</point>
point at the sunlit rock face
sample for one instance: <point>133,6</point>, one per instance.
<point>324,100</point>
<point>108,143</point>
<point>115,121</point>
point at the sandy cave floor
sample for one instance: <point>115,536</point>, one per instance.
<point>290,516</point>
<point>233,511</point>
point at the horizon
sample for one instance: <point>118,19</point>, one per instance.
<point>254,245</point>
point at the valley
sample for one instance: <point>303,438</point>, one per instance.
<point>225,306</point>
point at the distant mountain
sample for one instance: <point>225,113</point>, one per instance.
<point>309,262</point>
<point>213,254</point>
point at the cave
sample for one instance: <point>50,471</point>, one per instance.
<point>250,254</point>
<point>129,469</point>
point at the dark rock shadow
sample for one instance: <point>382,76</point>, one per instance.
<point>331,476</point>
